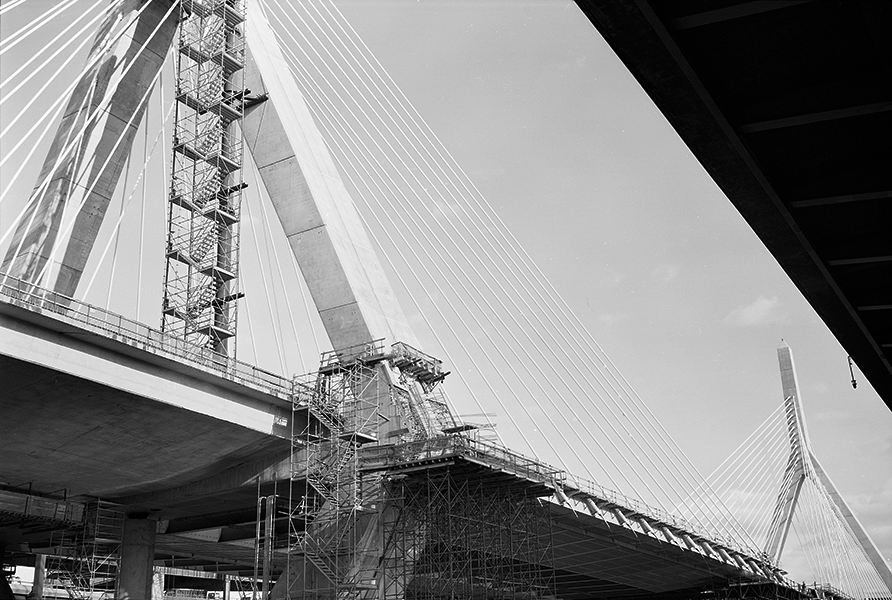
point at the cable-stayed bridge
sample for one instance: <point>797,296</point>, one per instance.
<point>360,480</point>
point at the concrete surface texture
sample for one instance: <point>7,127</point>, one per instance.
<point>324,230</point>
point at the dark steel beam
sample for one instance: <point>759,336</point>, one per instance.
<point>861,260</point>
<point>811,202</point>
<point>730,12</point>
<point>665,68</point>
<point>818,117</point>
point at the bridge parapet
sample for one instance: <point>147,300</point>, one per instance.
<point>113,326</point>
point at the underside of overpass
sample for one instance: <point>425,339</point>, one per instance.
<point>788,106</point>
<point>138,431</point>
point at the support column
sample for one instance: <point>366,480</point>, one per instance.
<point>137,555</point>
<point>5,589</point>
<point>39,577</point>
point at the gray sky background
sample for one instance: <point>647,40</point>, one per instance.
<point>598,187</point>
<point>644,247</point>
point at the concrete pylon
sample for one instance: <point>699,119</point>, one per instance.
<point>802,461</point>
<point>77,185</point>
<point>794,474</point>
<point>351,292</point>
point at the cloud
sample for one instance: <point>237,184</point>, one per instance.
<point>761,311</point>
<point>666,273</point>
<point>610,318</point>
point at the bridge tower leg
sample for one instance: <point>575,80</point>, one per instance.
<point>353,297</point>
<point>794,475</point>
<point>55,236</point>
<point>803,460</point>
<point>323,227</point>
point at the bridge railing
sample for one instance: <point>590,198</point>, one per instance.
<point>489,454</point>
<point>122,329</point>
<point>638,507</point>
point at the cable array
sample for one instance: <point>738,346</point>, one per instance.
<point>478,297</point>
<point>516,344</point>
<point>74,148</point>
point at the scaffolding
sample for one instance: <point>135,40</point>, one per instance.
<point>85,562</point>
<point>360,529</point>
<point>201,289</point>
<point>324,507</point>
<point>459,533</point>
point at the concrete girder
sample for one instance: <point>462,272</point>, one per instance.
<point>78,184</point>
<point>645,526</point>
<point>668,535</point>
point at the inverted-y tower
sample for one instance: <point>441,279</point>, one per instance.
<point>801,462</point>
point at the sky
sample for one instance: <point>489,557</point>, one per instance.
<point>645,249</point>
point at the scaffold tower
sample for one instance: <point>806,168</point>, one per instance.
<point>368,513</point>
<point>85,563</point>
<point>201,288</point>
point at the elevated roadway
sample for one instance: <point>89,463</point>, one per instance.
<point>97,406</point>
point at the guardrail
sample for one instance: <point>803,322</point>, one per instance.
<point>660,515</point>
<point>117,327</point>
<point>442,446</point>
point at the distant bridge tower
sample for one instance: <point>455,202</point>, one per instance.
<point>803,464</point>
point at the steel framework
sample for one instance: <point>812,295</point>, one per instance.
<point>85,564</point>
<point>359,531</point>
<point>201,280</point>
<point>459,535</point>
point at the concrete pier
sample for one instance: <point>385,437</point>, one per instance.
<point>135,573</point>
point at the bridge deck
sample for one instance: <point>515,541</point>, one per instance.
<point>96,405</point>
<point>594,555</point>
